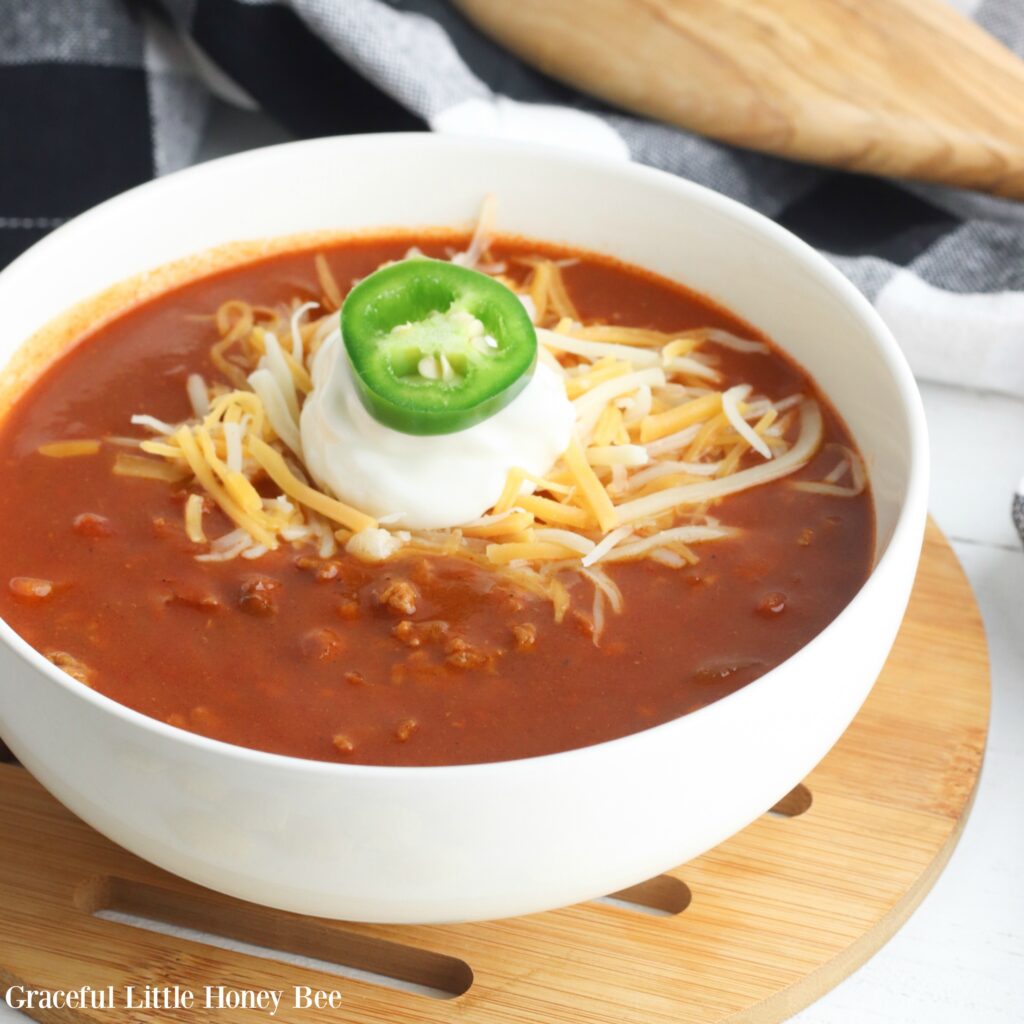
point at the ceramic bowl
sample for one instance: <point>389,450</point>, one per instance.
<point>479,841</point>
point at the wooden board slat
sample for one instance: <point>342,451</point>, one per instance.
<point>756,928</point>
<point>902,88</point>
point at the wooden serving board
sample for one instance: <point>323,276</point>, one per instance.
<point>779,913</point>
<point>905,88</point>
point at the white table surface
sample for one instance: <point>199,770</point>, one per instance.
<point>960,958</point>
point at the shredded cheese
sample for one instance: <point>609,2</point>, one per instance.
<point>607,543</point>
<point>274,361</point>
<point>574,541</point>
<point>849,462</point>
<point>297,315</point>
<point>657,442</point>
<point>333,509</point>
<point>618,455</point>
<point>482,233</point>
<point>561,341</point>
<point>513,521</point>
<point>194,519</point>
<point>68,449</point>
<point>332,293</point>
<point>198,395</point>
<point>719,337</point>
<point>152,423</point>
<point>592,490</point>
<point>590,405</point>
<point>148,469</point>
<point>694,494</point>
<point>730,406</point>
<point>556,512</point>
<point>265,384</point>
<point>674,420</point>
<point>513,485</point>
<point>528,551</point>
<point>208,479</point>
<point>682,534</point>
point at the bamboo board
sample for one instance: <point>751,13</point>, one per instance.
<point>779,914</point>
<point>902,88</point>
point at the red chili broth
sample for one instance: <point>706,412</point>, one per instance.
<point>165,635</point>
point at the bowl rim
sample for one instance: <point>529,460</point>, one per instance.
<point>907,529</point>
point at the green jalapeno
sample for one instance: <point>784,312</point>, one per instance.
<point>435,347</point>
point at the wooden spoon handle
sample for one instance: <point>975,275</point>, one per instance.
<point>903,88</point>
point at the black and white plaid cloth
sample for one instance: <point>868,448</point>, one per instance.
<point>99,95</point>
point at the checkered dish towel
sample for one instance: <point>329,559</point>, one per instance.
<point>99,95</point>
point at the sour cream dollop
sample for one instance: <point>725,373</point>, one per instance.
<point>431,482</point>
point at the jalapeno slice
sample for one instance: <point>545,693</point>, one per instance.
<point>435,347</point>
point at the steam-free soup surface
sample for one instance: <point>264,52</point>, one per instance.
<point>327,659</point>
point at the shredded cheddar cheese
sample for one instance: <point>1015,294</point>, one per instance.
<point>149,469</point>
<point>272,461</point>
<point>556,512</point>
<point>512,522</point>
<point>679,417</point>
<point>660,440</point>
<point>592,489</point>
<point>528,551</point>
<point>69,449</point>
<point>208,480</point>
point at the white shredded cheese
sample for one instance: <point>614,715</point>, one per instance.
<point>482,234</point>
<point>692,367</point>
<point>609,541</point>
<point>589,406</point>
<point>784,404</point>
<point>597,614</point>
<point>198,395</point>
<point>274,361</point>
<point>492,518</point>
<point>673,442</point>
<point>660,469</point>
<point>739,424</point>
<point>666,556</point>
<point>297,351</point>
<point>638,406</point>
<point>727,340</point>
<point>605,583</point>
<point>233,446</point>
<point>806,445</point>
<point>264,383</point>
<point>152,423</point>
<point>568,539</point>
<point>639,357</point>
<point>683,534</point>
<point>227,547</point>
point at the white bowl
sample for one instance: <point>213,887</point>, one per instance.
<point>492,840</point>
